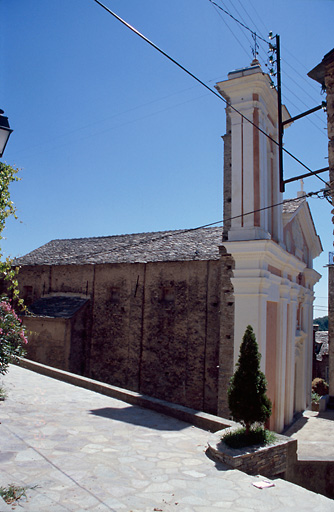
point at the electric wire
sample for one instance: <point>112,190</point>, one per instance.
<point>259,55</point>
<point>305,104</point>
<point>257,42</point>
<point>229,28</point>
<point>239,27</point>
<point>265,62</point>
<point>235,8</point>
<point>259,17</point>
<point>262,39</point>
<point>244,25</point>
<point>203,83</point>
<point>309,83</point>
<point>238,21</point>
<point>252,21</point>
<point>115,126</point>
<point>295,71</point>
<point>173,233</point>
<point>307,117</point>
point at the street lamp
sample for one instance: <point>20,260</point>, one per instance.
<point>5,132</point>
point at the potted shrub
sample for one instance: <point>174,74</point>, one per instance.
<point>251,448</point>
<point>247,399</point>
<point>320,389</point>
<point>315,400</point>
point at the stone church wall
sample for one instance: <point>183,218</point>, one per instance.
<point>156,328</point>
<point>49,341</point>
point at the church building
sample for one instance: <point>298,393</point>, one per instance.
<point>164,313</point>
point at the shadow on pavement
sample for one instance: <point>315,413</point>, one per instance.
<point>219,465</point>
<point>296,426</point>
<point>141,417</point>
<point>327,415</point>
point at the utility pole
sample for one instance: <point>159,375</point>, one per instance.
<point>276,49</point>
<point>280,121</point>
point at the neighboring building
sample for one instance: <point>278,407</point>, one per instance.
<point>324,74</point>
<point>164,313</point>
<point>320,355</point>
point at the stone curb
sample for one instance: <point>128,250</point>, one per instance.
<point>197,418</point>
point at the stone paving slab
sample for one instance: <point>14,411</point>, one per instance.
<point>314,432</point>
<point>78,450</point>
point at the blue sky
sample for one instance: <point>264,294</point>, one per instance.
<point>113,138</point>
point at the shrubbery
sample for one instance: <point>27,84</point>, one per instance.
<point>320,387</point>
<point>258,435</point>
<point>247,397</point>
<point>12,334</point>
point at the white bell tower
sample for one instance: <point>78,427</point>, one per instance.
<point>251,174</point>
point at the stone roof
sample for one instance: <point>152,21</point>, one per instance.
<point>177,245</point>
<point>174,245</point>
<point>57,306</point>
<point>322,347</point>
<point>290,206</point>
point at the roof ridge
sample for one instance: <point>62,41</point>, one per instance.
<point>179,230</point>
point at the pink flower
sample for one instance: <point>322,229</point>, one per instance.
<point>6,307</point>
<point>23,338</point>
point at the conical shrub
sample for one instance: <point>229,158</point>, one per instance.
<point>247,397</point>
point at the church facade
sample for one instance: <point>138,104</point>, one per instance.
<point>164,313</point>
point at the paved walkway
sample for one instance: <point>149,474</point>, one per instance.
<point>77,450</point>
<point>315,434</point>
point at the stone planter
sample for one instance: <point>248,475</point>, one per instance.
<point>270,460</point>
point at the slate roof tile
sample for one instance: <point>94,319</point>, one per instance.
<point>57,306</point>
<point>177,245</point>
<point>174,245</point>
<point>290,206</point>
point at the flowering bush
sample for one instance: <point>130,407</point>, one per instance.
<point>12,335</point>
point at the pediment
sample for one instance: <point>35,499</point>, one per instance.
<point>300,236</point>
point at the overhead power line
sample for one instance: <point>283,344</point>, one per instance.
<point>241,24</point>
<point>249,16</point>
<point>173,233</point>
<point>238,21</point>
<point>232,32</point>
<point>126,24</point>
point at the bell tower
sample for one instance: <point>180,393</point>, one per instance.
<point>251,174</point>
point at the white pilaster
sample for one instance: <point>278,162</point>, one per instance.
<point>290,360</point>
<point>281,355</point>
